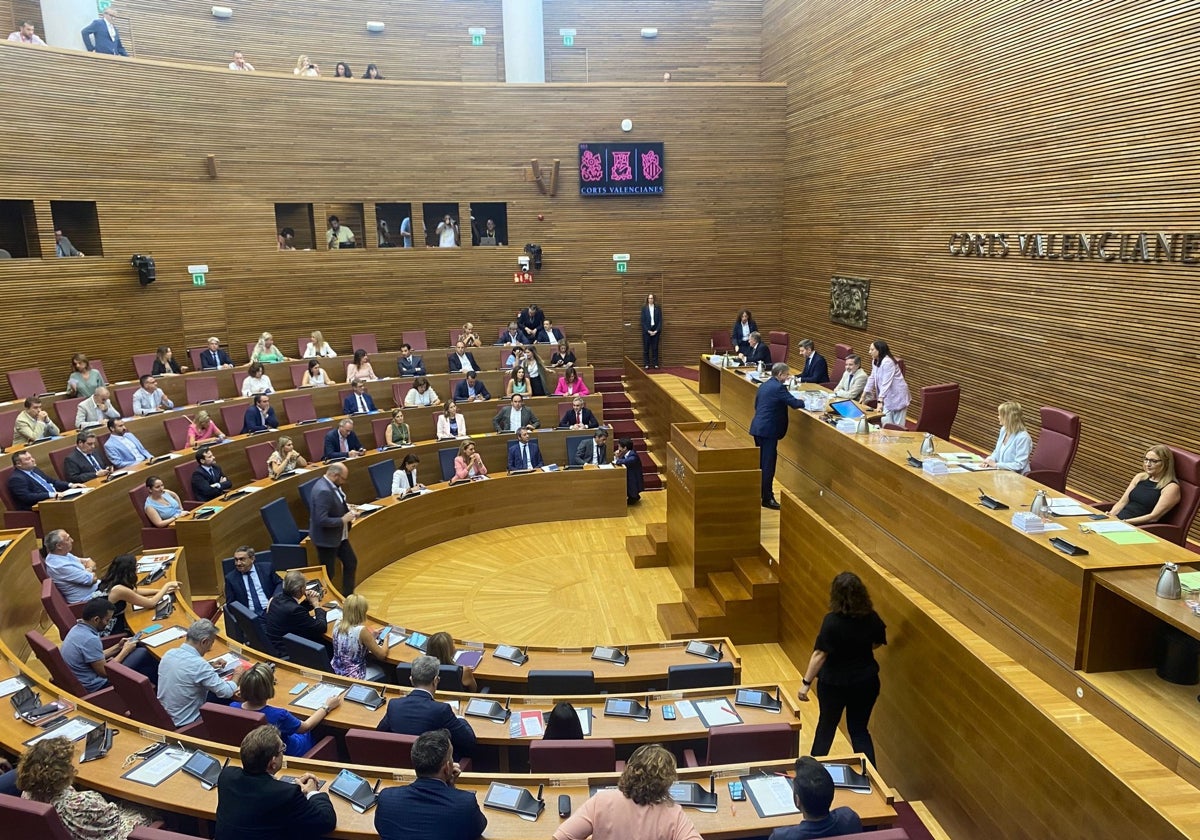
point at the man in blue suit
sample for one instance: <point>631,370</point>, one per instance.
<point>816,369</point>
<point>471,389</point>
<point>523,453</point>
<point>360,401</point>
<point>101,35</point>
<point>260,416</point>
<point>214,358</point>
<point>430,808</point>
<point>342,442</point>
<point>770,424</point>
<point>29,485</point>
<point>626,456</point>
<point>250,585</point>
<point>417,712</point>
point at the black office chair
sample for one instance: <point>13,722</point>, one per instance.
<point>449,677</point>
<point>702,675</point>
<point>286,551</point>
<point>381,477</point>
<point>573,442</point>
<point>250,627</point>
<point>446,459</point>
<point>306,493</point>
<point>307,653</point>
<point>561,682</point>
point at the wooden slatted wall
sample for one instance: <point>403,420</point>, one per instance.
<point>911,121</point>
<point>141,157</point>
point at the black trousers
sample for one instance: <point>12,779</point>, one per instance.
<point>650,349</point>
<point>768,453</point>
<point>328,556</point>
<point>856,701</point>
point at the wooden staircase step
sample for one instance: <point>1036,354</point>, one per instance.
<point>702,606</point>
<point>657,532</point>
<point>645,553</point>
<point>756,576</point>
<point>675,621</point>
<point>728,591</point>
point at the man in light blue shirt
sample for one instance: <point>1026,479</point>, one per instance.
<point>74,576</point>
<point>122,447</point>
<point>185,679</point>
<point>83,652</point>
<point>150,399</point>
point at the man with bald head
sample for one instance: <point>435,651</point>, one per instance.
<point>330,518</point>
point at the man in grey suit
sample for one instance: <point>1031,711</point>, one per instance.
<point>514,417</point>
<point>594,450</point>
<point>101,35</point>
<point>63,246</point>
<point>330,518</point>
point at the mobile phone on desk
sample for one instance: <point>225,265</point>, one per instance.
<point>736,792</point>
<point>668,711</point>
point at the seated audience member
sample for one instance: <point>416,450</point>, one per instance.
<point>96,409</point>
<point>518,383</point>
<point>257,688</point>
<point>408,364</point>
<point>122,447</point>
<point>256,381</point>
<point>417,712</point>
<point>286,239</point>
<point>640,807</point>
<point>404,480</point>
<point>358,401</point>
<point>385,235</point>
<point>490,236</point>
<point>102,36</point>
<point>812,791</point>
<point>214,358</point>
<point>267,351</point>
<point>451,424</point>
<point>570,384</point>
<point>252,803</point>
<point>119,586</point>
<point>757,353</point>
<point>513,335</point>
<point>304,67</point>
<point>341,70</point>
<point>318,346</point>
<point>406,232</point>
<point>29,485</point>
<point>260,415</point>
<point>46,773</point>
<point>815,367</point>
<point>337,236</point>
<point>74,576</point>
<point>208,480</point>
<point>86,461</point>
<point>430,808</point>
<point>739,336</point>
<point>150,399</point>
<point>251,584</point>
<point>523,453</point>
<point>471,389</point>
<point>549,334</point>
<point>342,442</point>
<point>441,646</point>
<point>185,679</point>
<point>1013,444</point>
<point>853,380</point>
<point>421,394</point>
<point>594,450</point>
<point>468,336</point>
<point>372,72</point>
<point>25,35</point>
<point>626,456</point>
<point>165,364</point>
<point>360,367</point>
<point>284,459</point>
<point>562,724</point>
<point>240,63</point>
<point>83,652</point>
<point>461,359</point>
<point>202,429</point>
<point>579,416</point>
<point>353,640</point>
<point>1152,493</point>
<point>447,232</point>
<point>887,384</point>
<point>84,379</point>
<point>530,321</point>
<point>534,369</point>
<point>315,376</point>
<point>162,505</point>
<point>468,463</point>
<point>63,246</point>
<point>296,610</point>
<point>33,423</point>
<point>397,433</point>
<point>563,356</point>
<point>515,416</point>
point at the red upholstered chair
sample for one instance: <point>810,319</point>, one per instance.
<point>201,389</point>
<point>233,417</point>
<point>1056,447</point>
<point>939,407</point>
<point>39,566</point>
<point>62,676</point>
<point>227,725</point>
<point>143,363</point>
<point>239,378</point>
<point>176,428</point>
<point>415,339</point>
<point>301,346</point>
<point>299,408</point>
<point>98,366</point>
<point>63,615</point>
<point>298,372</point>
<point>183,474</point>
<point>8,425</point>
<point>250,345</point>
<point>65,409</point>
<point>502,362</point>
<point>27,818</point>
<point>718,340</point>
<point>838,368</point>
<point>26,383</point>
<point>123,396</point>
<point>597,755</point>
<point>778,343</point>
<point>380,749</point>
<point>1175,525</point>
<point>138,694</point>
<point>14,518</point>
<point>152,538</point>
<point>342,394</point>
<point>903,367</point>
<point>368,342</point>
<point>194,355</point>
<point>314,439</point>
<point>58,459</point>
<point>747,742</point>
<point>400,390</point>
<point>379,429</point>
<point>257,455</point>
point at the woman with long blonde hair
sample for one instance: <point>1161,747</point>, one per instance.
<point>1154,492</point>
<point>1014,444</point>
<point>353,640</point>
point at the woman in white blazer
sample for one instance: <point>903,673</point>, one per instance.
<point>451,424</point>
<point>1014,444</point>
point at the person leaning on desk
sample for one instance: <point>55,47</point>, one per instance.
<point>770,424</point>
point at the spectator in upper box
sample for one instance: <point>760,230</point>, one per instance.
<point>342,71</point>
<point>240,63</point>
<point>101,35</point>
<point>285,237</point>
<point>24,35</point>
<point>62,245</point>
<point>304,67</point>
<point>338,236</point>
<point>447,231</point>
<point>372,72</point>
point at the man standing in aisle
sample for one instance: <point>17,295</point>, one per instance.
<point>770,424</point>
<point>330,518</point>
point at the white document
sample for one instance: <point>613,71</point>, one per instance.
<point>154,559</point>
<point>686,709</point>
<point>368,508</point>
<point>318,697</point>
<point>333,615</point>
<point>773,795</point>
<point>717,712</point>
<point>164,636</point>
<point>11,686</point>
<point>1067,507</point>
<point>607,467</point>
<point>1053,526</point>
<point>1110,527</point>
<point>72,731</point>
<point>160,768</point>
<point>585,720</point>
<point>249,488</point>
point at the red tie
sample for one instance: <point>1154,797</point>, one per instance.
<point>345,447</point>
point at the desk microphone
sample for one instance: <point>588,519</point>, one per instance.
<point>707,431</point>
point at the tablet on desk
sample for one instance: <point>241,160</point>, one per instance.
<point>846,409</point>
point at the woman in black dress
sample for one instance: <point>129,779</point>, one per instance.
<point>844,661</point>
<point>1153,493</point>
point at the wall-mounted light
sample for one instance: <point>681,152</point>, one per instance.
<point>222,12</point>
<point>375,26</point>
<point>649,32</point>
<point>627,124</point>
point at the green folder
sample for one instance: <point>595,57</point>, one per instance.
<point>1128,537</point>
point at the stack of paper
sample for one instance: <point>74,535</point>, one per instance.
<point>1067,507</point>
<point>934,466</point>
<point>1028,522</point>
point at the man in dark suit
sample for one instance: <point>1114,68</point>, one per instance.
<point>102,36</point>
<point>253,805</point>
<point>86,461</point>
<point>471,389</point>
<point>628,458</point>
<point>515,416</point>
<point>209,480</point>
<point>770,424</point>
<point>523,453</point>
<point>214,357</point>
<point>359,401</point>
<point>29,485</point>
<point>757,352</point>
<point>342,442</point>
<point>529,322</point>
<point>408,364</point>
<point>260,416</point>
<point>513,335</point>
<point>417,712</point>
<point>430,808</point>
<point>329,521</point>
<point>549,334</point>
<point>461,359</point>
<point>594,450</point>
<point>651,331</point>
<point>579,417</point>
<point>252,586</point>
<point>815,368</point>
<point>297,610</point>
